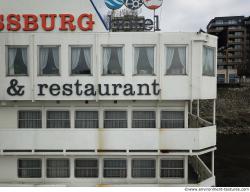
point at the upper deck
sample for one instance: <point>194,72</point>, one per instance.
<point>182,66</point>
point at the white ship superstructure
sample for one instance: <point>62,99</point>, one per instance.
<point>90,107</point>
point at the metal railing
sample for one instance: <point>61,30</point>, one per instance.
<point>200,168</point>
<point>197,122</point>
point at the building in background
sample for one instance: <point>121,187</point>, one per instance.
<point>233,47</point>
<point>81,106</point>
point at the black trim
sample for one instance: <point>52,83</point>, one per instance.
<point>48,150</point>
<point>111,151</point>
<point>17,151</point>
<point>79,150</point>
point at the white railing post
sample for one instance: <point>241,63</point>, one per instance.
<point>198,108</point>
<point>191,107</point>
<point>212,163</point>
<point>214,111</point>
<point>186,169</point>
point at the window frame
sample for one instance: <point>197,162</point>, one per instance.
<point>7,60</point>
<point>219,78</point>
<point>41,168</point>
<point>110,158</point>
<point>57,110</point>
<point>123,59</point>
<point>172,110</point>
<point>155,57</point>
<point>31,110</point>
<point>142,158</point>
<point>214,60</point>
<point>186,46</point>
<point>115,110</point>
<point>46,169</point>
<point>39,74</point>
<point>172,159</point>
<point>70,59</point>
<point>87,110</point>
<point>144,110</point>
<point>98,168</point>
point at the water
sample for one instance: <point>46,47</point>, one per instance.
<point>232,161</point>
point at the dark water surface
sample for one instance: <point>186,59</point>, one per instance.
<point>232,161</point>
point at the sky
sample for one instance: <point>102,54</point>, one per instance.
<point>190,15</point>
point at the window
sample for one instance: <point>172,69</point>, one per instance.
<point>49,60</point>
<point>233,78</point>
<point>143,168</point>
<point>17,61</point>
<point>232,22</point>
<point>80,60</point>
<point>219,28</point>
<point>58,119</point>
<point>176,61</point>
<point>237,47</point>
<point>221,78</point>
<point>115,119</point>
<point>29,168</point>
<point>57,168</point>
<point>172,119</point>
<point>238,60</point>
<point>29,119</point>
<point>144,61</point>
<point>237,40</point>
<point>86,119</point>
<point>86,168</point>
<point>115,168</point>
<point>112,61</point>
<point>208,61</point>
<point>172,168</point>
<point>220,61</point>
<point>143,119</point>
<point>219,22</point>
<point>238,33</point>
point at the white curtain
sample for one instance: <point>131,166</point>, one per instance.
<point>182,55</point>
<point>87,55</point>
<point>106,58</point>
<point>57,168</point>
<point>170,56</point>
<point>75,56</point>
<point>143,168</point>
<point>172,119</point>
<point>137,51</point>
<point>143,119</point>
<point>58,119</point>
<point>115,119</point>
<point>12,55</point>
<point>43,59</point>
<point>119,53</point>
<point>29,119</point>
<point>55,52</point>
<point>208,61</point>
<point>24,56</point>
<point>86,119</point>
<point>150,53</point>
